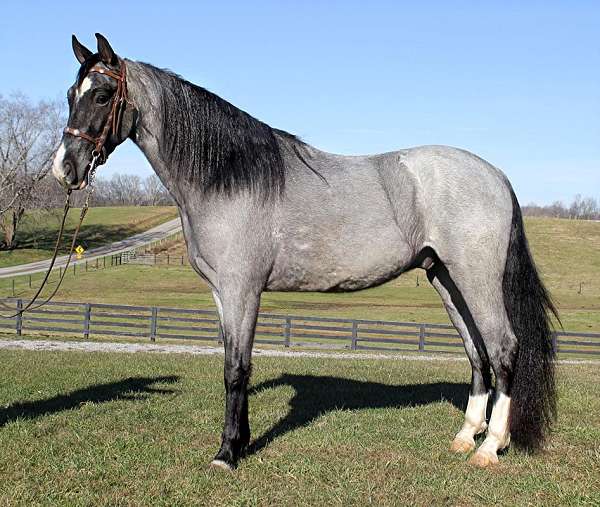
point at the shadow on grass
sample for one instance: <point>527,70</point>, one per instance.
<point>91,235</point>
<point>135,388</point>
<point>316,396</point>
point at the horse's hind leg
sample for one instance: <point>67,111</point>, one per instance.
<point>502,348</point>
<point>475,414</point>
<point>481,290</point>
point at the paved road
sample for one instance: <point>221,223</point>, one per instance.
<point>143,238</point>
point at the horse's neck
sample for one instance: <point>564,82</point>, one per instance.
<point>198,144</point>
<point>148,129</point>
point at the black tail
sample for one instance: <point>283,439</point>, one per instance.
<point>533,392</point>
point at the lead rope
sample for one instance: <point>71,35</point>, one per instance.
<point>84,210</point>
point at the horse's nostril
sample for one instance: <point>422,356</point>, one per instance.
<point>70,175</point>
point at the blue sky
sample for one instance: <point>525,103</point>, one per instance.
<point>518,83</point>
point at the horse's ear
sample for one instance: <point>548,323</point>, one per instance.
<point>107,54</point>
<point>81,52</point>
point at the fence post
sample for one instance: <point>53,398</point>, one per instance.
<point>287,332</point>
<point>104,262</point>
<point>87,313</point>
<point>182,260</point>
<point>13,287</point>
<point>30,281</point>
<point>155,259</point>
<point>421,338</point>
<point>555,342</point>
<point>86,266</point>
<point>19,317</point>
<point>153,323</point>
<point>74,269</point>
<point>354,335</point>
<point>168,259</point>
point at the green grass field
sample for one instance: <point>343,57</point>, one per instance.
<point>140,429</point>
<point>37,236</point>
<point>567,253</point>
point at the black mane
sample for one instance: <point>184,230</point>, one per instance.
<point>211,143</point>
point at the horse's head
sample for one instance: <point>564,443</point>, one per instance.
<point>100,114</point>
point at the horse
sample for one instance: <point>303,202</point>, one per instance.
<point>262,210</point>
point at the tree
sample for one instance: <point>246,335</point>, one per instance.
<point>155,194</point>
<point>589,208</point>
<point>29,136</point>
<point>131,190</point>
<point>581,208</point>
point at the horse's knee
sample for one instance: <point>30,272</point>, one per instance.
<point>237,374</point>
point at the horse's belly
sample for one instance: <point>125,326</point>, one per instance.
<point>339,266</point>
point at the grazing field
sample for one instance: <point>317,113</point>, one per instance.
<point>129,429</point>
<point>567,253</point>
<point>37,234</point>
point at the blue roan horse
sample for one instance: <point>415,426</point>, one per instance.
<point>262,210</point>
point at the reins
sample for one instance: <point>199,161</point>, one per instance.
<point>99,157</point>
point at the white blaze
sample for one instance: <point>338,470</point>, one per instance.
<point>84,87</point>
<point>57,165</point>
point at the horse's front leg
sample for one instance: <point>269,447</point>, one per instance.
<point>238,313</point>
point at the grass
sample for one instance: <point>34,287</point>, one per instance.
<point>566,252</point>
<point>37,235</point>
<point>139,429</point>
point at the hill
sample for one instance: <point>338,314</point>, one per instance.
<point>37,235</point>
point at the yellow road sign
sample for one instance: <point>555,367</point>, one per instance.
<point>79,250</point>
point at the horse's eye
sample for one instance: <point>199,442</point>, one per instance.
<point>102,99</point>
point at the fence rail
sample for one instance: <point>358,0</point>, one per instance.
<point>151,259</point>
<point>96,319</point>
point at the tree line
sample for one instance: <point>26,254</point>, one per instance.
<point>581,208</point>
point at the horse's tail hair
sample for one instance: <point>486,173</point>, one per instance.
<point>527,303</point>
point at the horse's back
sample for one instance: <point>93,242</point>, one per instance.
<point>353,222</point>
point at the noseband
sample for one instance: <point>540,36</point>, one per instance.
<point>113,121</point>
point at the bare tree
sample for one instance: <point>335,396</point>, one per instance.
<point>589,208</point>
<point>575,208</point>
<point>558,210</point>
<point>155,194</point>
<point>131,190</point>
<point>29,136</point>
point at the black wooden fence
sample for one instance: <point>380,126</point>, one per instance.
<point>95,319</point>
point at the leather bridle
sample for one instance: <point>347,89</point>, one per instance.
<point>99,156</point>
<point>113,121</point>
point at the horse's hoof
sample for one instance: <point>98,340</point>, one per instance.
<point>461,446</point>
<point>223,465</point>
<point>483,459</point>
